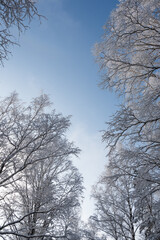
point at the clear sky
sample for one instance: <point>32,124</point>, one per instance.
<point>56,58</point>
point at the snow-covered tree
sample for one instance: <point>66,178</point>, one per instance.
<point>48,198</point>
<point>14,15</point>
<point>129,51</point>
<point>40,188</point>
<point>129,57</point>
<point>115,206</point>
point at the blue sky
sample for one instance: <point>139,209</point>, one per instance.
<point>56,58</point>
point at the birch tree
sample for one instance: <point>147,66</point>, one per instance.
<point>39,186</point>
<point>115,206</point>
<point>48,198</point>
<point>15,15</point>
<point>129,58</point>
<point>129,51</point>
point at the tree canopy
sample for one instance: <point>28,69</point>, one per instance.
<point>40,188</point>
<point>15,15</point>
<point>129,59</point>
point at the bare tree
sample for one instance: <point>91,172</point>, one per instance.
<point>129,59</point>
<point>115,206</point>
<point>38,183</point>
<point>144,176</point>
<point>129,51</point>
<point>139,159</point>
<point>14,15</point>
<point>48,198</point>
